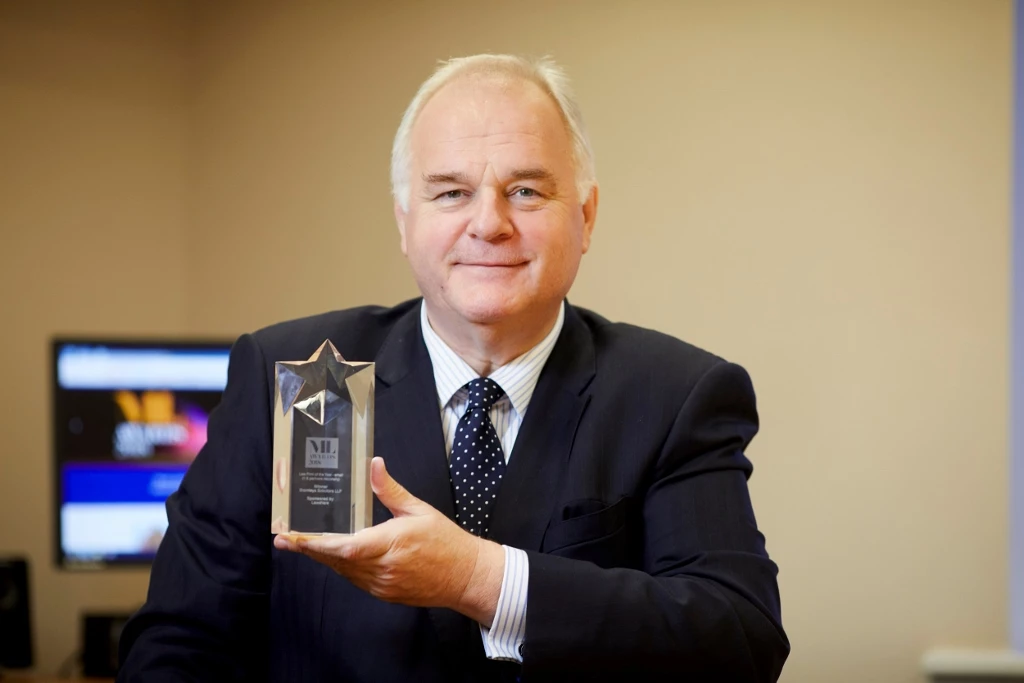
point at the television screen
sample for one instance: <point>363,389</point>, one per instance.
<point>129,418</point>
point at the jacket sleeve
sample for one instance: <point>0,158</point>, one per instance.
<point>705,605</point>
<point>206,617</point>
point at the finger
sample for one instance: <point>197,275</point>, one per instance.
<point>368,544</point>
<point>291,542</point>
<point>391,493</point>
<point>286,542</point>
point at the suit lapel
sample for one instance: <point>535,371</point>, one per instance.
<point>523,507</point>
<point>409,437</point>
<point>408,430</point>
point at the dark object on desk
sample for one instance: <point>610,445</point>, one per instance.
<point>15,620</point>
<point>100,634</point>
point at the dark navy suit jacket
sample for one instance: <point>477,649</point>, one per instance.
<point>627,487</point>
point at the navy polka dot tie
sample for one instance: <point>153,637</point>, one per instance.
<point>477,463</point>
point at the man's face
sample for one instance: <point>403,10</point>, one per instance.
<point>494,230</point>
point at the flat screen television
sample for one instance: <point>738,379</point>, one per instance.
<point>128,419</point>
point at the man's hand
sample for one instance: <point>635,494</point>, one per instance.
<point>419,558</point>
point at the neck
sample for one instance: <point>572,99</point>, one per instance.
<point>487,346</point>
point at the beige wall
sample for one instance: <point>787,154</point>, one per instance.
<point>819,191</point>
<point>92,218</point>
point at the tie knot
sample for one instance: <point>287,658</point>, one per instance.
<point>484,392</point>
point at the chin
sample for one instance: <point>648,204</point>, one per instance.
<point>485,310</point>
<point>484,315</point>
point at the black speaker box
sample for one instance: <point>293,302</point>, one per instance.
<point>15,620</point>
<point>100,635</point>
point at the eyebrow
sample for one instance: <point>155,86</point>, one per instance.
<point>533,174</point>
<point>458,178</point>
<point>445,178</point>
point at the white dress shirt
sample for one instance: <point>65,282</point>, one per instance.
<point>518,378</point>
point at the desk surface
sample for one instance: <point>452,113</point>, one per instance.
<point>970,663</point>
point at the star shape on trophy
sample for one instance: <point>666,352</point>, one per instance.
<point>321,386</point>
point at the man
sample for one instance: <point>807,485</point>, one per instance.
<point>614,537</point>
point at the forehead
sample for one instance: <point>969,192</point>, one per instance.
<point>480,120</point>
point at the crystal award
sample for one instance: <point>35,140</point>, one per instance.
<point>323,443</point>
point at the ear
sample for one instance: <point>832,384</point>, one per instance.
<point>400,215</point>
<point>589,217</point>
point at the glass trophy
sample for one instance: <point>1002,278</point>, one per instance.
<point>323,443</point>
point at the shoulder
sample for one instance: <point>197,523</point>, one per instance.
<point>644,366</point>
<point>638,348</point>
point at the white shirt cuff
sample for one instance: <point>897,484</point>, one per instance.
<point>505,637</point>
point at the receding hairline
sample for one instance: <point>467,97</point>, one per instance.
<point>506,80</point>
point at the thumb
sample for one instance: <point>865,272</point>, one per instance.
<point>391,493</point>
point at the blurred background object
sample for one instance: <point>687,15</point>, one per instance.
<point>15,615</point>
<point>129,417</point>
<point>820,191</point>
<point>100,636</point>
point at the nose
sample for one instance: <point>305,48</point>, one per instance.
<point>491,221</point>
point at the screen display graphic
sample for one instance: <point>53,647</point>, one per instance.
<point>129,418</point>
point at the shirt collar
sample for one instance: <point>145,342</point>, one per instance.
<point>518,378</point>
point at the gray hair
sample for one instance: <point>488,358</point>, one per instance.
<point>543,72</point>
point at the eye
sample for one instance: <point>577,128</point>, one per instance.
<point>526,193</point>
<point>452,194</point>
